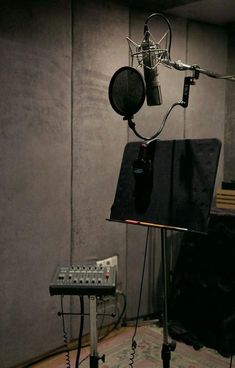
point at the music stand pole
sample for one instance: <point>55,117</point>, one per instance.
<point>166,346</point>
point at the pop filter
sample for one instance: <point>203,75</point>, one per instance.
<point>127,91</point>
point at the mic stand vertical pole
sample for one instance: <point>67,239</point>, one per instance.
<point>166,346</point>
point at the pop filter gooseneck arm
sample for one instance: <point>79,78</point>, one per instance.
<point>132,124</point>
<point>188,81</point>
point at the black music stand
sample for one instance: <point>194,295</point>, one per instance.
<point>168,185</point>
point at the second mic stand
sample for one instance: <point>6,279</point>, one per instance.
<point>166,346</point>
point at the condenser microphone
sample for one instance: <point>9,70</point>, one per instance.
<point>153,89</point>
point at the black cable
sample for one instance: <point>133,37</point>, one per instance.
<point>164,120</point>
<point>123,309</point>
<point>133,343</point>
<point>119,318</point>
<point>102,321</point>
<point>231,361</point>
<point>83,360</point>
<point>80,331</point>
<point>131,124</point>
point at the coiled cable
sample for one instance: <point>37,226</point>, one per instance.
<point>133,349</point>
<point>65,336</point>
<point>80,332</point>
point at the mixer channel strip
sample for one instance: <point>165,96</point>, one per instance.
<point>84,280</point>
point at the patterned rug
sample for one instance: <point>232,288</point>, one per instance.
<point>149,340</point>
<point>118,350</point>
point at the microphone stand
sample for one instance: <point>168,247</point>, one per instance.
<point>166,346</point>
<point>163,57</point>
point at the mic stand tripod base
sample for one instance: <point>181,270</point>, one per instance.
<point>166,353</point>
<point>94,360</point>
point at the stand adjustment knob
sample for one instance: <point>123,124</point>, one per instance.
<point>102,358</point>
<point>173,345</point>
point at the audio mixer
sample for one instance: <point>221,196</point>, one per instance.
<point>84,280</point>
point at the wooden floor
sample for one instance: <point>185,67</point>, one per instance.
<point>59,360</point>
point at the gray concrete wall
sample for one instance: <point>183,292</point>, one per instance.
<point>99,49</point>
<point>35,167</point>
<point>98,139</point>
<point>61,148</point>
<point>229,157</point>
<point>205,115</point>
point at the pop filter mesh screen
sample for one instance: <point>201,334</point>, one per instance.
<point>127,91</point>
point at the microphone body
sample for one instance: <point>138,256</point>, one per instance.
<point>153,89</point>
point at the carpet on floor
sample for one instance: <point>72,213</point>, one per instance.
<point>149,340</point>
<point>117,350</point>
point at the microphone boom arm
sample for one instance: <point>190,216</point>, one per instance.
<point>179,65</point>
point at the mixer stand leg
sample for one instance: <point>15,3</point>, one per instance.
<point>94,357</point>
